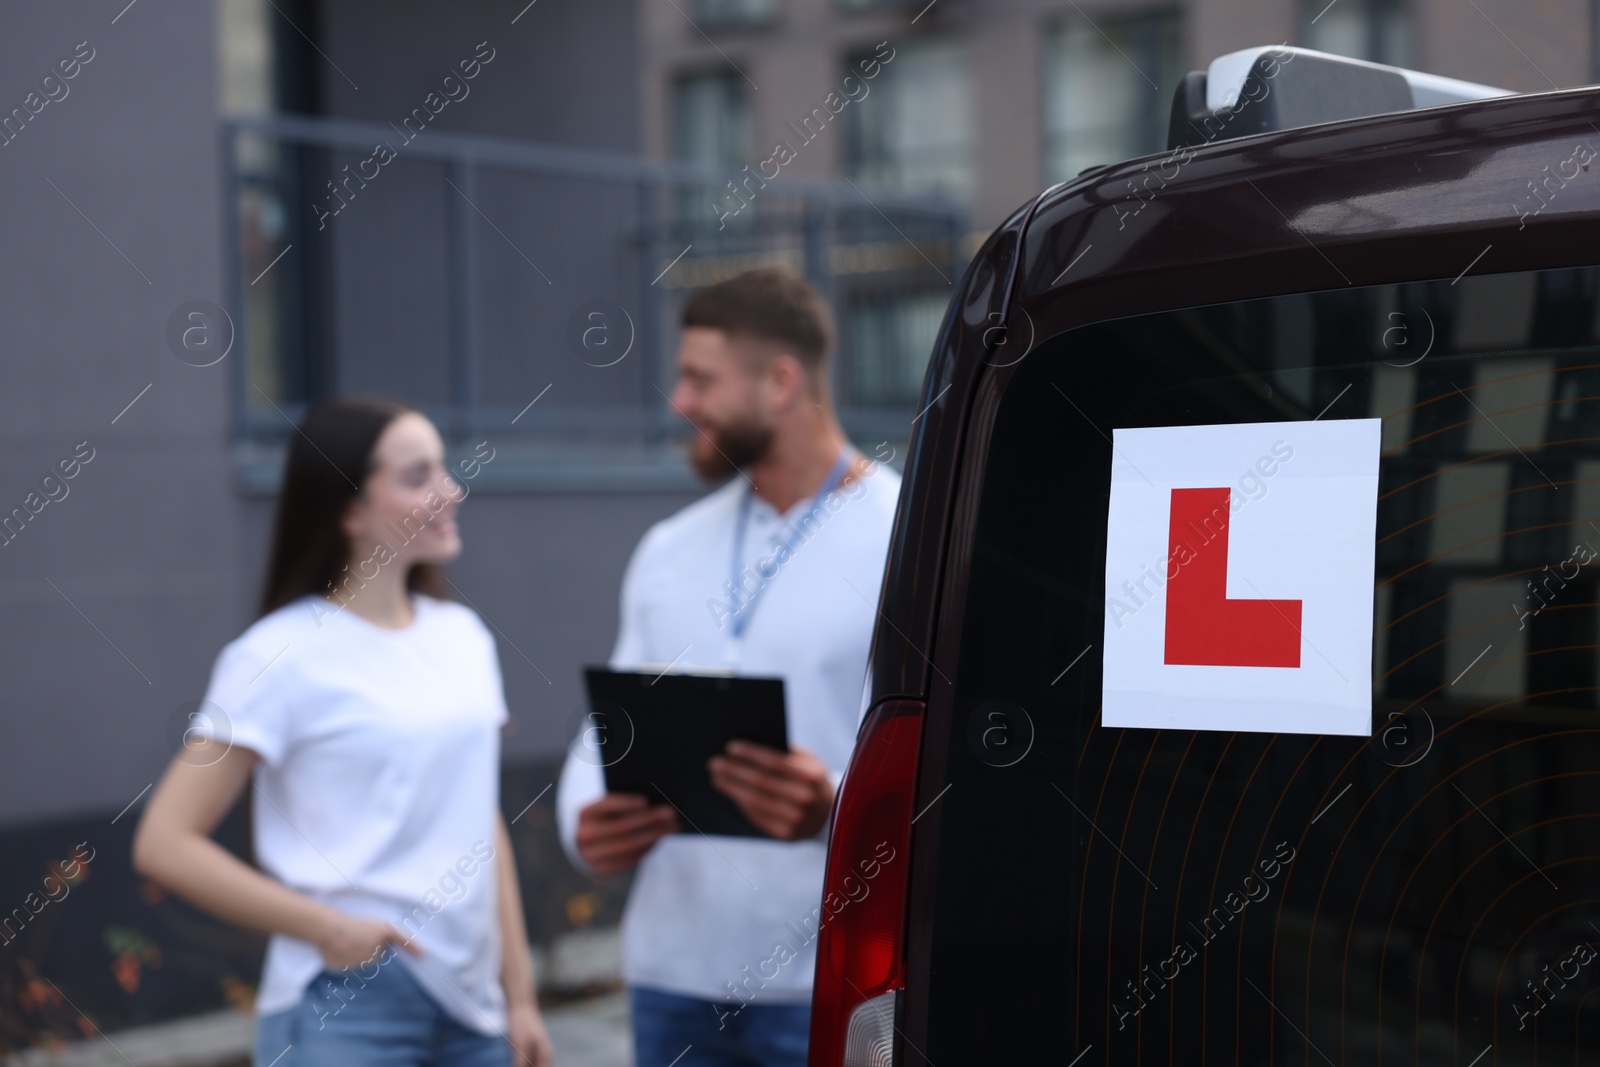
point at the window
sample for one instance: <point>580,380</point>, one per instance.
<point>735,12</point>
<point>710,127</point>
<point>889,339</point>
<point>244,37</point>
<point>710,119</point>
<point>261,62</point>
<point>912,131</point>
<point>1484,680</point>
<point>1108,90</point>
<point>1375,30</point>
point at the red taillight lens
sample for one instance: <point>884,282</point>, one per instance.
<point>860,949</point>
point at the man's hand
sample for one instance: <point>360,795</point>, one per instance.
<point>617,829</point>
<point>787,794</point>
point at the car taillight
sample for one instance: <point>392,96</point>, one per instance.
<point>860,947</point>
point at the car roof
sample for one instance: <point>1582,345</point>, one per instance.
<point>1370,200</point>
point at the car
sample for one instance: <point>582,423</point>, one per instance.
<point>1048,849</point>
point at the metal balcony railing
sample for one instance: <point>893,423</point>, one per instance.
<point>529,294</point>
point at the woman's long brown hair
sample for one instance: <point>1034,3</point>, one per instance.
<point>328,462</point>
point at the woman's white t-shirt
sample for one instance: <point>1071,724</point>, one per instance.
<point>377,791</point>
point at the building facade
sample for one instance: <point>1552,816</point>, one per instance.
<point>994,100</point>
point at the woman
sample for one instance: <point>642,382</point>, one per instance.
<point>364,709</point>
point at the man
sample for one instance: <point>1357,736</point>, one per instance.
<point>775,573</point>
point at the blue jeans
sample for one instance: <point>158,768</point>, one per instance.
<point>388,1022</point>
<point>708,1033</point>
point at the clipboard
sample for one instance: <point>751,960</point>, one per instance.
<point>653,733</point>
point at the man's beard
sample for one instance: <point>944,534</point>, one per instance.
<point>736,446</point>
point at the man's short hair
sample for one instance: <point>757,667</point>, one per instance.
<point>770,304</point>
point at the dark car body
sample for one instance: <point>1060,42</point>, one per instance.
<point>1434,884</point>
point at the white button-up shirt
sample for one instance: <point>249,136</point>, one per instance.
<point>707,916</point>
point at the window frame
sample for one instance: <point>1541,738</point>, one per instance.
<point>1149,20</point>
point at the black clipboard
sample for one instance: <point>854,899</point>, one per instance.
<point>653,733</point>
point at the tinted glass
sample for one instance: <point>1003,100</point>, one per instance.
<point>1416,896</point>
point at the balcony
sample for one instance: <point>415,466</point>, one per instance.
<point>528,294</point>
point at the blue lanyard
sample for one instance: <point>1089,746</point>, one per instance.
<point>741,615</point>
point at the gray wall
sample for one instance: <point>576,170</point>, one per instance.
<point>147,544</point>
<point>564,73</point>
<point>158,554</point>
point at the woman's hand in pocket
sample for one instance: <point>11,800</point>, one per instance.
<point>349,940</point>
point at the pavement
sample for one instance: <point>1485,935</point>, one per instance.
<point>588,1033</point>
<point>592,1033</point>
<point>587,1030</point>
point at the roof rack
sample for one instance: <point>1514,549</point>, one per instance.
<point>1278,87</point>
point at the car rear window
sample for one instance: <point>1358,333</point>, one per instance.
<point>1180,896</point>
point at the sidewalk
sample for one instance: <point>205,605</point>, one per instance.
<point>591,1031</point>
